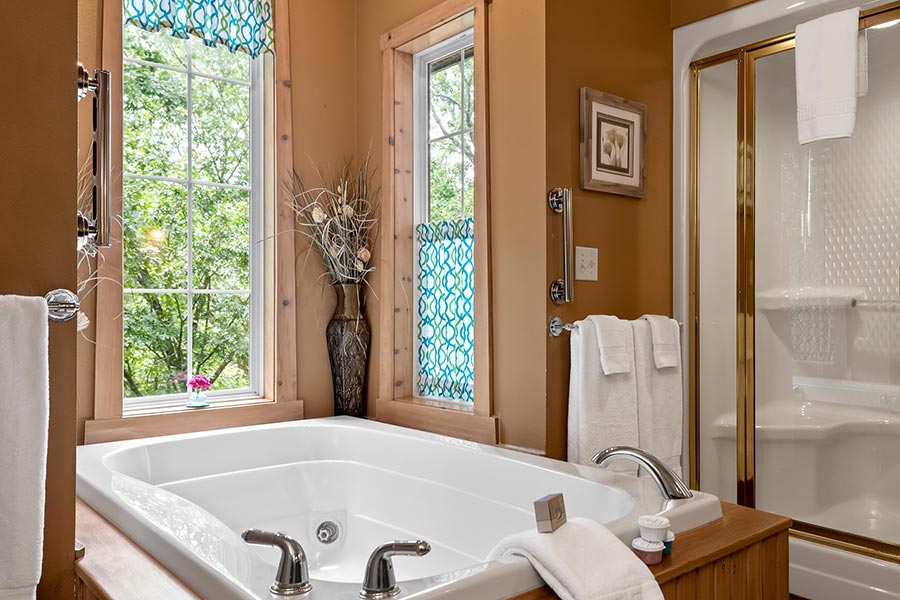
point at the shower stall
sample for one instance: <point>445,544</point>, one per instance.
<point>791,282</point>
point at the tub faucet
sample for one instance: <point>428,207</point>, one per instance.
<point>670,485</point>
<point>292,577</point>
<point>379,581</point>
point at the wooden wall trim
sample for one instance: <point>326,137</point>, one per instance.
<point>683,12</point>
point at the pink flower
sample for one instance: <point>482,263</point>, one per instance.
<point>199,382</point>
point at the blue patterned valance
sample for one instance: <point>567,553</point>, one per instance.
<point>239,25</point>
<point>445,310</point>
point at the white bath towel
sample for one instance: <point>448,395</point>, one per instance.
<point>611,333</point>
<point>660,399</point>
<point>602,408</point>
<point>666,344</point>
<point>24,413</point>
<point>827,71</point>
<point>582,560</point>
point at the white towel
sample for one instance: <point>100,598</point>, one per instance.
<point>24,413</point>
<point>582,560</point>
<point>602,408</point>
<point>611,333</point>
<point>660,400</point>
<point>666,343</point>
<point>827,71</point>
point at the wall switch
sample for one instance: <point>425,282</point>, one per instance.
<point>585,263</point>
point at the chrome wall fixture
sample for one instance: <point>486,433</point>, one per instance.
<point>97,228</point>
<point>62,305</point>
<point>563,290</point>
<point>557,326</point>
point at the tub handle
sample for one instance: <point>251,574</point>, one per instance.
<point>379,581</point>
<point>292,577</point>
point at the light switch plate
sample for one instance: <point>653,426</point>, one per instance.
<point>585,263</point>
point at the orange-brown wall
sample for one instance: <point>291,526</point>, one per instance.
<point>37,209</point>
<point>625,49</point>
<point>683,12</point>
<point>517,139</point>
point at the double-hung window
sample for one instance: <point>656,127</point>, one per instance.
<point>192,218</point>
<point>444,211</point>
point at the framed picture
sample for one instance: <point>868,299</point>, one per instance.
<point>613,144</point>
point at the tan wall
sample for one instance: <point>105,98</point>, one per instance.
<point>324,119</point>
<point>37,209</point>
<point>632,59</point>
<point>683,12</point>
<point>517,109</point>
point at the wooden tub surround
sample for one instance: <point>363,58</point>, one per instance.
<point>743,555</point>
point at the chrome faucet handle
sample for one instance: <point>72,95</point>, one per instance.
<point>292,577</point>
<point>379,581</point>
<point>670,485</point>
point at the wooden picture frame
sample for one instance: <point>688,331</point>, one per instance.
<point>613,144</point>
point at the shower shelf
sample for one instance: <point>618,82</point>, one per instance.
<point>812,297</point>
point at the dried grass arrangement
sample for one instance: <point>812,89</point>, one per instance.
<point>340,217</point>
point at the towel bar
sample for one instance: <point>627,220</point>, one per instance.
<point>557,326</point>
<point>62,305</point>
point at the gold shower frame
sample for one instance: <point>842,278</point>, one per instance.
<point>745,58</point>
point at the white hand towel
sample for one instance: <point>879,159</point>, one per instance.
<point>24,413</point>
<point>666,344</point>
<point>611,333</point>
<point>827,71</point>
<point>582,560</point>
<point>602,408</point>
<point>660,400</point>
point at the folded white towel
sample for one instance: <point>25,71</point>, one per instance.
<point>827,71</point>
<point>666,341</point>
<point>602,408</point>
<point>660,400</point>
<point>582,560</point>
<point>24,413</point>
<point>611,334</point>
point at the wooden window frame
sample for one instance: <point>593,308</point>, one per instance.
<point>279,400</point>
<point>396,401</point>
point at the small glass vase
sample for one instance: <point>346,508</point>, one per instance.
<point>197,400</point>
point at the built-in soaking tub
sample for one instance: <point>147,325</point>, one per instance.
<point>186,499</point>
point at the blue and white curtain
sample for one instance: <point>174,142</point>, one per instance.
<point>445,310</point>
<point>239,25</point>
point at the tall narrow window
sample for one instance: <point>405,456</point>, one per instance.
<point>192,203</point>
<point>444,328</point>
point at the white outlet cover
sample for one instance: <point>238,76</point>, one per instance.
<point>585,263</point>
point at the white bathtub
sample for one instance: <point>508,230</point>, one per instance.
<point>186,498</point>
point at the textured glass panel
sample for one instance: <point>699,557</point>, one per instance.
<point>155,121</point>
<point>445,329</point>
<point>221,114</point>
<point>154,46</point>
<point>155,344</point>
<point>219,61</point>
<point>221,339</point>
<point>445,180</point>
<point>155,234</point>
<point>469,180</point>
<point>444,95</point>
<point>221,238</point>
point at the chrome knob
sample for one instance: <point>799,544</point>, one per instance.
<point>379,581</point>
<point>292,577</point>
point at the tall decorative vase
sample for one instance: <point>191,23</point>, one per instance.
<point>348,337</point>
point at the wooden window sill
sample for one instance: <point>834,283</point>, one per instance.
<point>441,417</point>
<point>178,419</point>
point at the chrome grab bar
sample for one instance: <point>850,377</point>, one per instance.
<point>563,290</point>
<point>292,577</point>
<point>98,229</point>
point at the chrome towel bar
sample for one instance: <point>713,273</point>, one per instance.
<point>62,305</point>
<point>557,326</point>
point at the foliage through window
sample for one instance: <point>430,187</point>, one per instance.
<point>191,206</point>
<point>444,217</point>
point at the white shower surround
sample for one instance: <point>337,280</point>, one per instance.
<point>816,571</point>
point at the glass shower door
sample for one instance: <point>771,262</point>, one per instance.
<point>827,306</point>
